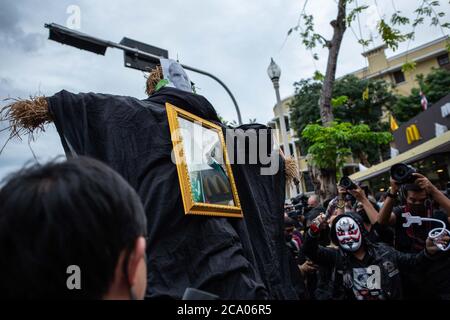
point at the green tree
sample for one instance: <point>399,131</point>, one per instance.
<point>304,107</point>
<point>330,145</point>
<point>347,13</point>
<point>435,86</point>
<point>356,109</point>
<point>349,106</point>
<point>407,107</point>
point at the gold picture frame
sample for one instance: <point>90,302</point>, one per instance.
<point>207,186</point>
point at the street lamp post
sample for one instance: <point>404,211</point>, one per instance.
<point>86,42</point>
<point>274,73</point>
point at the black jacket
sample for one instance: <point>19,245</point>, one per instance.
<point>386,260</point>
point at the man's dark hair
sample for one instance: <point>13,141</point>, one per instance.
<point>77,212</point>
<point>412,187</point>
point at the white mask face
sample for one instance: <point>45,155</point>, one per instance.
<point>348,234</point>
<point>175,74</point>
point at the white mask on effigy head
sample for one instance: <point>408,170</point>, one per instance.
<point>176,76</point>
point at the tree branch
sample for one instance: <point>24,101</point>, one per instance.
<point>339,27</point>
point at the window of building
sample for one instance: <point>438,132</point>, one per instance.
<point>286,121</point>
<point>308,182</point>
<point>399,76</point>
<point>349,170</point>
<point>443,59</point>
<point>291,148</point>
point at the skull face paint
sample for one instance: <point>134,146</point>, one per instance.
<point>348,234</point>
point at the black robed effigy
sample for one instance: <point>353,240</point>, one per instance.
<point>232,258</point>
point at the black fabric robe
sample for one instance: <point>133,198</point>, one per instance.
<point>232,258</point>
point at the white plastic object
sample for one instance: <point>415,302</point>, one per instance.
<point>434,234</point>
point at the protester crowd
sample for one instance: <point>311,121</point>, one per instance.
<point>357,246</point>
<point>354,246</point>
<point>110,222</point>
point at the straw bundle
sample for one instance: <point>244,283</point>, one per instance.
<point>155,75</point>
<point>25,117</point>
<point>291,171</point>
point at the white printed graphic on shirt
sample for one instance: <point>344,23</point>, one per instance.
<point>367,283</point>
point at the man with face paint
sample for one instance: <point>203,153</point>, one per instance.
<point>362,270</point>
<point>419,199</point>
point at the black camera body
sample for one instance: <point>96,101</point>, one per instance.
<point>294,214</point>
<point>300,204</point>
<point>347,183</point>
<point>300,199</point>
<point>403,173</point>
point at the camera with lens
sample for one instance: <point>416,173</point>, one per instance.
<point>403,173</point>
<point>300,206</point>
<point>300,199</point>
<point>347,183</point>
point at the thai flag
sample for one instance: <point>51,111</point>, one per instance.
<point>423,101</point>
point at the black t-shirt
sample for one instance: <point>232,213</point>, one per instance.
<point>430,283</point>
<point>381,233</point>
<point>437,277</point>
<point>413,238</point>
<point>365,279</point>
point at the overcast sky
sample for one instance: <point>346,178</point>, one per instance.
<point>233,39</point>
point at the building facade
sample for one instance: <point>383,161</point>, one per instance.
<point>305,185</point>
<point>423,142</point>
<point>430,55</point>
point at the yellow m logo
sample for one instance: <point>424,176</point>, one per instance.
<point>412,134</point>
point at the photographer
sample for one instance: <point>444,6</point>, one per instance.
<point>367,210</point>
<point>369,213</point>
<point>416,198</point>
<point>314,208</point>
<point>362,270</point>
<point>416,195</point>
